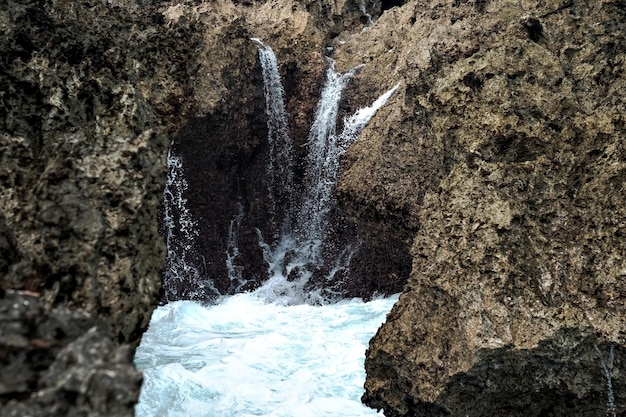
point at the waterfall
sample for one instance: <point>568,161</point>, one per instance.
<point>299,251</point>
<point>322,163</point>
<point>326,148</point>
<point>607,367</point>
<point>280,160</point>
<point>282,349</point>
<point>181,269</point>
<point>309,247</point>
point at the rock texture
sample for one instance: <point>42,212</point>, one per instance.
<point>493,180</point>
<point>67,357</point>
<point>89,93</point>
<point>505,157</point>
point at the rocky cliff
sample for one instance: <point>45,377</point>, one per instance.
<point>89,94</point>
<point>506,156</point>
<point>493,181</point>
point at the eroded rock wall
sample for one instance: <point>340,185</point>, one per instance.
<point>504,158</point>
<point>89,94</point>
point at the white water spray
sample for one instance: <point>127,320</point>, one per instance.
<point>354,125</point>
<point>244,357</point>
<point>235,272</point>
<point>607,367</point>
<point>300,249</point>
<point>180,234</point>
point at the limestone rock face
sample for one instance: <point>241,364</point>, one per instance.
<point>83,150</point>
<point>504,158</point>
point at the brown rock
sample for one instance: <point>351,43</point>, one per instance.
<point>512,123</point>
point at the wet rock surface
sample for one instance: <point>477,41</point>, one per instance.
<point>67,358</point>
<point>89,94</point>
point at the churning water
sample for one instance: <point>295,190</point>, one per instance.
<point>278,351</point>
<point>245,357</point>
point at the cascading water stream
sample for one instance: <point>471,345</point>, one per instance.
<point>326,148</point>
<point>235,272</point>
<point>280,160</point>
<point>322,162</point>
<point>282,350</point>
<point>300,247</point>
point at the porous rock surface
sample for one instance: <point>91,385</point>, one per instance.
<point>89,93</point>
<point>505,154</point>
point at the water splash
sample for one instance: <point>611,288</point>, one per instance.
<point>243,357</point>
<point>354,125</point>
<point>235,272</point>
<point>607,367</point>
<point>299,251</point>
<point>181,268</point>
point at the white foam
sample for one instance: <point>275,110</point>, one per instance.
<point>244,357</point>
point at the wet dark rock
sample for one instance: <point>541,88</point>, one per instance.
<point>89,94</point>
<point>61,362</point>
